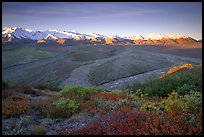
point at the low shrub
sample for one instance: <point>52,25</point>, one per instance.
<point>117,91</point>
<point>62,108</point>
<point>174,123</point>
<point>186,89</point>
<point>143,123</point>
<point>41,107</point>
<point>118,123</point>
<point>80,90</point>
<point>173,103</point>
<point>62,102</point>
<point>124,101</point>
<point>153,107</point>
<point>15,105</point>
<point>112,96</point>
<point>5,84</point>
<point>59,112</point>
<point>191,102</point>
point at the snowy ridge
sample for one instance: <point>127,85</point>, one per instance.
<point>22,33</point>
<point>51,37</point>
<point>176,36</point>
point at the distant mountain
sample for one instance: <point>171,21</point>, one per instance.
<point>18,33</point>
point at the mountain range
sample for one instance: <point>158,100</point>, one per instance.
<point>17,33</point>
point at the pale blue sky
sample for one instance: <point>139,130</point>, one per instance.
<point>108,18</point>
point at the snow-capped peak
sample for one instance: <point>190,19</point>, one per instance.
<point>152,36</point>
<point>55,30</point>
<point>132,37</point>
<point>176,36</point>
<point>74,31</point>
<point>116,36</point>
<point>29,30</point>
<point>7,30</point>
<point>155,36</point>
<point>50,37</point>
<point>93,34</point>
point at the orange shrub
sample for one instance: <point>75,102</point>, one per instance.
<point>176,68</point>
<point>15,105</point>
<point>40,107</point>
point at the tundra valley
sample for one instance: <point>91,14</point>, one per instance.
<point>68,85</point>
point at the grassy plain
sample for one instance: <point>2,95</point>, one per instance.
<point>36,64</point>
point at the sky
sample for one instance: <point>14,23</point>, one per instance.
<point>107,18</point>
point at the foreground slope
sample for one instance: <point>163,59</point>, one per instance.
<point>89,111</point>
